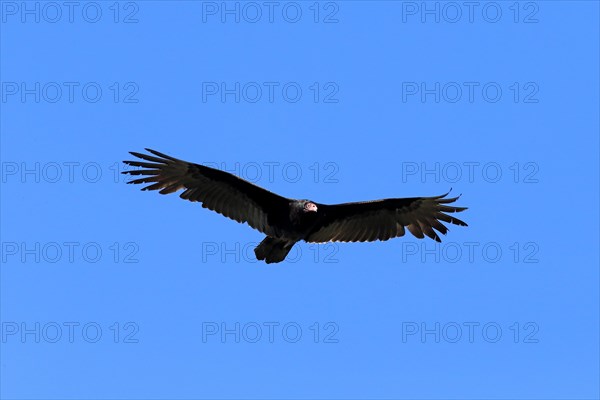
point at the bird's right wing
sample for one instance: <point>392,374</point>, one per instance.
<point>385,219</point>
<point>217,190</point>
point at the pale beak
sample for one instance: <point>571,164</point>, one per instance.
<point>311,207</point>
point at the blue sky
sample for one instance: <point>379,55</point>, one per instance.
<point>109,292</point>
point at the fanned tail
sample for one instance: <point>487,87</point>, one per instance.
<point>273,250</point>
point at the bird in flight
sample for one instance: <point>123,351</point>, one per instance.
<point>287,221</point>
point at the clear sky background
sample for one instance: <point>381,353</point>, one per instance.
<point>109,292</point>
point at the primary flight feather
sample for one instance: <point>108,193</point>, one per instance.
<point>287,221</point>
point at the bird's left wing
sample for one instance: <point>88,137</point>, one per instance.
<point>385,219</point>
<point>217,190</point>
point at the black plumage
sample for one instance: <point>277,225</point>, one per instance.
<point>287,221</point>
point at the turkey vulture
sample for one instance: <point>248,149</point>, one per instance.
<point>287,221</point>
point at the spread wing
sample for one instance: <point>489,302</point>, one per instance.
<point>217,190</point>
<point>385,219</point>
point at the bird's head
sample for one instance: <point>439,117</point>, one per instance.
<point>302,211</point>
<point>309,206</point>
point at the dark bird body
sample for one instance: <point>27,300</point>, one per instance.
<point>287,221</point>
